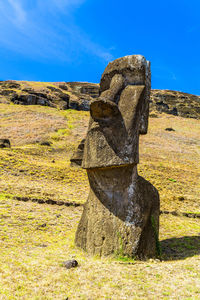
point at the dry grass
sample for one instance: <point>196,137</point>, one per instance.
<point>37,238</point>
<point>31,170</point>
<point>171,161</point>
<point>29,124</point>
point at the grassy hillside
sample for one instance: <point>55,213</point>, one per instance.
<point>36,236</point>
<point>78,95</point>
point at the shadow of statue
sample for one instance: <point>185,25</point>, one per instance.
<point>180,248</point>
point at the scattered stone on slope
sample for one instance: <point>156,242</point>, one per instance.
<point>53,89</point>
<point>5,143</point>
<point>11,84</point>
<point>164,107</point>
<point>63,86</point>
<point>70,264</point>
<point>169,129</point>
<point>7,93</point>
<point>175,103</point>
<point>45,143</point>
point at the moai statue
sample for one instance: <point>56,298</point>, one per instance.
<point>121,214</point>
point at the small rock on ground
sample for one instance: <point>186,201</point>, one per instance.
<point>169,129</point>
<point>70,264</point>
<point>5,143</point>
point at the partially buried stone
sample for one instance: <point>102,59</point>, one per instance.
<point>5,143</point>
<point>169,129</point>
<point>70,264</point>
<point>45,143</point>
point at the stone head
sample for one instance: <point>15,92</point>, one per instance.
<point>119,115</point>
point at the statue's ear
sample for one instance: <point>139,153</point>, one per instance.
<point>102,110</point>
<point>144,116</point>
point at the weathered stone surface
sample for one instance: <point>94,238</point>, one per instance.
<point>7,93</point>
<point>118,214</point>
<point>78,155</point>
<point>91,89</point>
<point>11,84</point>
<point>175,103</point>
<point>121,214</point>
<point>115,124</point>
<point>27,99</point>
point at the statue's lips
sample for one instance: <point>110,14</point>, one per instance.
<point>108,150</point>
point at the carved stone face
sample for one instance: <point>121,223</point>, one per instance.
<point>119,115</point>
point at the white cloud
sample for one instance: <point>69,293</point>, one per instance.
<point>34,29</point>
<point>18,14</point>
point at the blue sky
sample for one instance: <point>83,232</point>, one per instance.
<point>73,40</point>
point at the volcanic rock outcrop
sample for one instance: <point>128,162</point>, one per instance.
<point>58,94</point>
<point>78,96</point>
<point>175,103</point>
<point>121,214</point>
